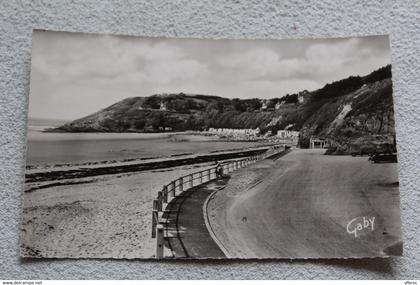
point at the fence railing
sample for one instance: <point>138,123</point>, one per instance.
<point>186,182</point>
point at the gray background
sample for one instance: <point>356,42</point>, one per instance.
<point>208,19</point>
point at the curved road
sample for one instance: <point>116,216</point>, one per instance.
<point>185,227</point>
<point>299,206</point>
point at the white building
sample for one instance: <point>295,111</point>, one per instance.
<point>315,142</point>
<point>235,134</point>
<point>301,99</point>
<point>163,106</point>
<point>264,105</point>
<point>278,105</point>
<point>288,136</point>
<point>301,96</point>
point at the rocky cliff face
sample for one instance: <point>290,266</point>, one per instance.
<point>363,118</point>
<point>351,113</point>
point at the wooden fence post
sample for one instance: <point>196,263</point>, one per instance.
<point>155,218</point>
<point>159,205</point>
<point>201,177</point>
<point>181,184</point>
<point>208,174</point>
<point>171,190</point>
<point>191,177</point>
<point>165,194</point>
<point>159,241</point>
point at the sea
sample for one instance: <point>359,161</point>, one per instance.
<point>50,149</point>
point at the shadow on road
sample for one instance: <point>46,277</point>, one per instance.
<point>186,234</point>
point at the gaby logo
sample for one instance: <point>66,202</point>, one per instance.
<point>356,225</point>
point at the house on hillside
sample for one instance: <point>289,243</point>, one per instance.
<point>278,105</point>
<point>163,106</point>
<point>264,105</point>
<point>302,95</point>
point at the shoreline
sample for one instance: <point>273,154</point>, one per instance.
<point>45,150</point>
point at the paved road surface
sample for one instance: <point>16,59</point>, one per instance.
<point>299,206</point>
<point>186,231</point>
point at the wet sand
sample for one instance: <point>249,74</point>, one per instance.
<point>75,172</point>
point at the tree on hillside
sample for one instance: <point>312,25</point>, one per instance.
<point>290,99</point>
<point>139,124</point>
<point>339,88</point>
<point>215,106</point>
<point>152,102</point>
<point>253,104</point>
<point>379,74</point>
<point>190,123</point>
<point>157,120</point>
<point>238,105</point>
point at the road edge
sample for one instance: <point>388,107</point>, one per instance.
<point>206,217</point>
<point>208,225</point>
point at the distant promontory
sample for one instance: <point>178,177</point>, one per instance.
<point>354,109</point>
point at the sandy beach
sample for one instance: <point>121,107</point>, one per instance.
<point>100,206</point>
<point>106,217</point>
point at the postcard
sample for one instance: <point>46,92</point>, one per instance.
<point>173,148</point>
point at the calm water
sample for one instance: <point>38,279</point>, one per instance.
<point>70,148</point>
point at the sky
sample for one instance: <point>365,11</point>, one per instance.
<point>75,74</point>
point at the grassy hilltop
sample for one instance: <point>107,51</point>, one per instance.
<point>350,113</point>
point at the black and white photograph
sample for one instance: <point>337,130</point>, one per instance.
<point>182,148</point>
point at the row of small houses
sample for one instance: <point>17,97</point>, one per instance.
<point>252,134</point>
<point>236,134</point>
